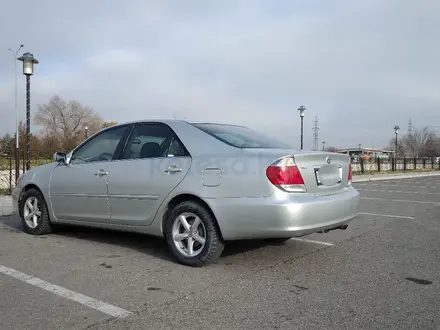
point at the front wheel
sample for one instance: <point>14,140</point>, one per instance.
<point>34,213</point>
<point>192,235</point>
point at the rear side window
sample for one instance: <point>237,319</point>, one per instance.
<point>152,141</point>
<point>241,137</point>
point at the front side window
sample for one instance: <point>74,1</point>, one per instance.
<point>241,137</point>
<point>101,148</point>
<point>152,141</point>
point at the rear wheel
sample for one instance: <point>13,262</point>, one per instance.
<point>34,213</point>
<point>192,235</point>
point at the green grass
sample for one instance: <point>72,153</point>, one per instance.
<point>5,164</point>
<point>4,191</point>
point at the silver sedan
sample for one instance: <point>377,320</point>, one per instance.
<point>197,185</point>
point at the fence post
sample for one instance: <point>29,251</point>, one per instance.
<point>10,173</point>
<point>24,161</point>
<point>404,164</point>
<point>378,164</point>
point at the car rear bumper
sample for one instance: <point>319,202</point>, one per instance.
<point>284,215</point>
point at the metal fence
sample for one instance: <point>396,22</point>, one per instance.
<point>8,169</point>
<point>361,166</point>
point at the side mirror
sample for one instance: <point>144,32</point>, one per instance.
<point>60,157</point>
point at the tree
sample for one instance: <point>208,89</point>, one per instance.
<point>109,123</point>
<point>34,141</point>
<point>5,144</point>
<point>331,149</point>
<point>401,147</point>
<point>66,121</point>
<point>48,145</point>
<point>419,143</point>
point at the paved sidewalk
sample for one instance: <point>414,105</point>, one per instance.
<point>378,177</point>
<point>5,205</point>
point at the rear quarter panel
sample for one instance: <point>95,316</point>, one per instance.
<point>233,175</point>
<point>222,171</point>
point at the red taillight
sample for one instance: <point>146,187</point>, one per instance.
<point>285,175</point>
<point>350,174</point>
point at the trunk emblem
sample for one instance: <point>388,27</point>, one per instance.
<point>328,160</point>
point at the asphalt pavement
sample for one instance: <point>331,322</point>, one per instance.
<point>382,272</point>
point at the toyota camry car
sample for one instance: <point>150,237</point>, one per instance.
<point>198,185</point>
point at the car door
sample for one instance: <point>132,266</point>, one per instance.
<point>78,188</point>
<point>153,162</point>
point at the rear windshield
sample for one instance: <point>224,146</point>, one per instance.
<point>241,137</point>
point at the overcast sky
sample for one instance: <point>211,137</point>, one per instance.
<point>360,66</point>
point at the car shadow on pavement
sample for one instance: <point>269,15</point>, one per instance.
<point>153,246</point>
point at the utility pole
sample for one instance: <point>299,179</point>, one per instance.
<point>410,127</point>
<point>315,134</point>
<point>17,133</point>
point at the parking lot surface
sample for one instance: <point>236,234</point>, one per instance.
<point>382,272</point>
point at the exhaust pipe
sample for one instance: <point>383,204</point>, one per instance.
<point>342,227</point>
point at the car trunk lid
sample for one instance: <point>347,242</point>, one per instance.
<point>323,172</point>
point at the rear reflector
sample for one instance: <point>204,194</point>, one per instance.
<point>285,175</point>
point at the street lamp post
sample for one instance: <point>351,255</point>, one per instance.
<point>17,133</point>
<point>396,131</point>
<point>28,70</point>
<point>301,110</point>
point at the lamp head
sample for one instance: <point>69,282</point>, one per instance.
<point>28,63</point>
<point>301,110</point>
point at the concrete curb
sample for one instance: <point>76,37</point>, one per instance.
<point>381,177</point>
<point>5,206</point>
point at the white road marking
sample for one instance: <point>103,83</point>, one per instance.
<point>312,241</point>
<point>72,295</point>
<point>387,215</point>
<point>400,200</point>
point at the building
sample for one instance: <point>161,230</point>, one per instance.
<point>367,153</point>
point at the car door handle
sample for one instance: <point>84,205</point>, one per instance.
<point>173,169</point>
<point>101,173</point>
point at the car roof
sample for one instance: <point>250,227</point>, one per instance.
<point>172,121</point>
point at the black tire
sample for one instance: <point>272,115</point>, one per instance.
<point>214,244</point>
<point>44,225</point>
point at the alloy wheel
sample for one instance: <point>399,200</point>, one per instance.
<point>32,212</point>
<point>189,234</point>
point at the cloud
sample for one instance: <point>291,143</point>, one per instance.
<point>360,66</point>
